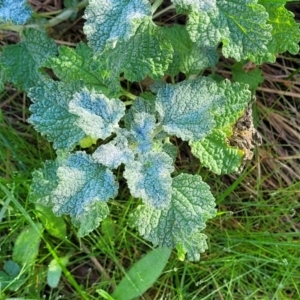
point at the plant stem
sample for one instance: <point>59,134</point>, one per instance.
<point>156,131</point>
<point>172,6</point>
<point>129,95</point>
<point>156,5</point>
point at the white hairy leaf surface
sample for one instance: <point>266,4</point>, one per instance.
<point>51,115</point>
<point>240,25</point>
<point>192,204</point>
<point>98,116</point>
<point>149,178</point>
<point>111,21</point>
<point>16,12</point>
<point>75,185</point>
<point>187,109</point>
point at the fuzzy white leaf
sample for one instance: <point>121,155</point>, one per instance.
<point>98,115</point>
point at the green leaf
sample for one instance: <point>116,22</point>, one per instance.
<point>56,226</point>
<point>252,77</point>
<point>240,25</point>
<point>98,116</point>
<point>285,30</point>
<point>51,116</point>
<point>187,109</point>
<point>11,268</point>
<point>237,98</point>
<point>73,65</point>
<point>188,57</point>
<point>22,61</point>
<point>194,5</point>
<point>78,187</point>
<point>90,218</point>
<point>10,277</point>
<point>167,147</point>
<point>16,12</point>
<point>111,22</point>
<point>145,53</point>
<point>27,244</point>
<point>142,275</point>
<point>192,204</point>
<point>149,178</point>
<point>54,271</point>
<point>215,153</point>
<point>214,150</point>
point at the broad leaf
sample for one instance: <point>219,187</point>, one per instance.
<point>214,150</point>
<point>251,77</point>
<point>188,57</point>
<point>180,223</point>
<point>22,61</point>
<point>27,244</point>
<point>54,271</point>
<point>240,25</point>
<point>98,116</point>
<point>90,217</point>
<point>79,187</point>
<point>149,178</point>
<point>78,64</point>
<point>55,226</point>
<point>285,30</point>
<point>145,53</point>
<point>142,274</point>
<point>237,98</point>
<point>187,109</point>
<point>215,153</point>
<point>16,12</point>
<point>194,5</point>
<point>10,277</point>
<point>109,22</point>
<point>51,116</point>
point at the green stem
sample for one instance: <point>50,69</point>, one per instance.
<point>66,14</point>
<point>50,13</point>
<point>127,103</point>
<point>192,76</point>
<point>129,95</point>
<point>156,5</point>
<point>157,131</point>
<point>172,6</point>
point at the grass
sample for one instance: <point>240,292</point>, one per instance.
<point>254,244</point>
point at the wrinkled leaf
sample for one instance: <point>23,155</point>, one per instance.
<point>51,115</point>
<point>149,178</point>
<point>79,187</point>
<point>98,116</point>
<point>240,25</point>
<point>16,12</point>
<point>187,109</point>
<point>23,60</point>
<point>192,204</point>
<point>109,22</point>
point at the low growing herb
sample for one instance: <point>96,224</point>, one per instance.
<point>127,42</point>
